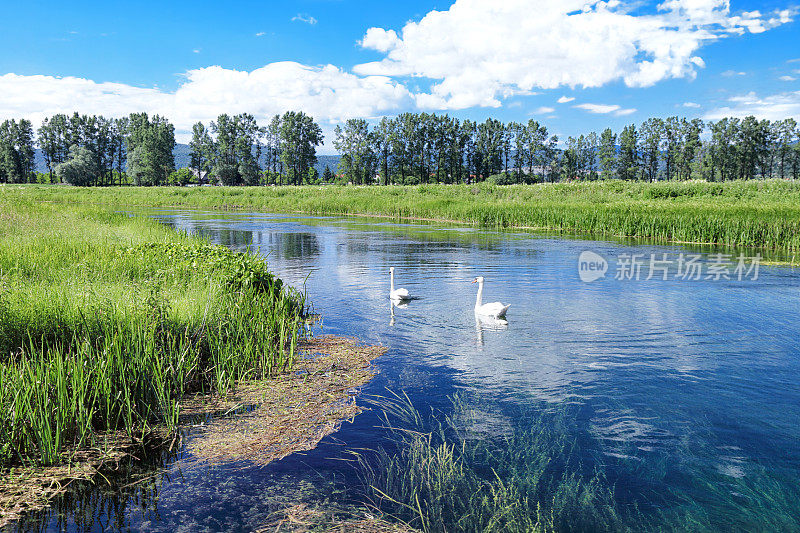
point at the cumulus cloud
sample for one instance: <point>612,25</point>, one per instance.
<point>691,105</point>
<point>327,93</point>
<point>787,78</point>
<point>605,109</point>
<point>773,107</point>
<point>565,99</point>
<point>544,110</point>
<point>479,52</point>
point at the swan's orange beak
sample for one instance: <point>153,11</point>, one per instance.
<point>475,280</point>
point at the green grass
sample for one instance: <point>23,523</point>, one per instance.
<point>107,320</point>
<point>761,214</point>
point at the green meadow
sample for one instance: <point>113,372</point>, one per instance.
<point>758,214</point>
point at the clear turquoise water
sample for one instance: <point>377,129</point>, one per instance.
<point>685,392</point>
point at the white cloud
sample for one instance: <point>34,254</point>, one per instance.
<point>196,51</point>
<point>565,99</point>
<point>732,73</point>
<point>691,105</point>
<point>787,78</point>
<point>303,17</point>
<point>261,34</point>
<point>773,107</point>
<point>479,52</point>
<point>605,109</point>
<point>543,110</point>
<point>380,39</point>
<point>327,93</point>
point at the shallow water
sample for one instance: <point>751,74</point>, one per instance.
<point>688,388</point>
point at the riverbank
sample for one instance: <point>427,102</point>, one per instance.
<point>758,214</point>
<point>106,323</point>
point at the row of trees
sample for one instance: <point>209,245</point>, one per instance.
<point>94,150</point>
<point>422,147</point>
<point>411,148</point>
<point>237,151</point>
<point>428,148</point>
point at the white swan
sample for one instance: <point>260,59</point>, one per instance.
<point>397,294</point>
<point>494,310</point>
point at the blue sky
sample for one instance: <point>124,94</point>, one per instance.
<point>575,66</point>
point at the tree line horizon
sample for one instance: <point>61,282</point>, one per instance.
<point>412,148</point>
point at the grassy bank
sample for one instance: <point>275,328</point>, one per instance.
<point>106,321</point>
<point>763,214</point>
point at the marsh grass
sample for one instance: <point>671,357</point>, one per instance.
<point>106,321</point>
<point>759,214</point>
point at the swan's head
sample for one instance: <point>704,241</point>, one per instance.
<point>479,279</point>
<point>391,269</point>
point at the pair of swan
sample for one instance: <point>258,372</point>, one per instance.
<point>495,310</point>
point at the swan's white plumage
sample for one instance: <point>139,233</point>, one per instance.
<point>495,310</point>
<point>397,294</point>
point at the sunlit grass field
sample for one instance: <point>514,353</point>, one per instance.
<point>761,214</point>
<point>107,320</point>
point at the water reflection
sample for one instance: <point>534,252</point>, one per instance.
<point>483,323</point>
<point>399,304</point>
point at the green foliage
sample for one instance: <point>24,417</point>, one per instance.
<point>150,142</point>
<point>227,174</point>
<point>107,320</point>
<point>501,179</point>
<point>182,177</point>
<point>234,270</point>
<point>80,169</point>
<point>327,175</point>
<point>16,151</point>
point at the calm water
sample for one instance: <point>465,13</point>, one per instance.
<point>688,389</point>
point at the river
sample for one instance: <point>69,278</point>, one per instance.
<point>684,391</point>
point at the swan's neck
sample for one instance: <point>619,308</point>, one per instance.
<point>391,277</point>
<point>479,300</point>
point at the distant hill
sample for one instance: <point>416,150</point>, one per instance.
<point>182,160</point>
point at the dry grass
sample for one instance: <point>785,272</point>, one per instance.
<point>292,412</point>
<point>303,518</point>
<point>25,489</point>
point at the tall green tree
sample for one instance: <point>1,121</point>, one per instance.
<point>201,155</point>
<point>300,136</point>
<point>150,147</point>
<point>608,154</point>
<point>356,145</point>
<point>650,135</point>
<point>16,151</point>
<point>628,162</point>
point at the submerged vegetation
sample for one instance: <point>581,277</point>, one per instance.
<point>106,321</point>
<point>760,214</point>
<point>473,472</point>
<point>483,466</point>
